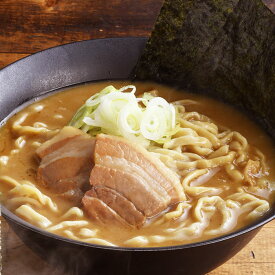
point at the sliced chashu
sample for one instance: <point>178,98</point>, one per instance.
<point>118,203</point>
<point>132,187</point>
<point>66,162</point>
<point>119,153</point>
<point>135,174</point>
<point>99,211</point>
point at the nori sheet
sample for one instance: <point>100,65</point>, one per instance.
<point>224,48</point>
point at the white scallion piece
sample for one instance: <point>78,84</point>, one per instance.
<point>118,112</point>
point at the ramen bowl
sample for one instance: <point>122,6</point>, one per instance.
<point>78,63</point>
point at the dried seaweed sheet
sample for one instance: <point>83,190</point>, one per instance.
<point>225,48</point>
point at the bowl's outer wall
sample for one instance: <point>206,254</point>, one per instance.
<point>83,62</point>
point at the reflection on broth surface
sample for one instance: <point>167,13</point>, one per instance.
<point>221,161</point>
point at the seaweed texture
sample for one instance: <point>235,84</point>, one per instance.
<point>225,48</point>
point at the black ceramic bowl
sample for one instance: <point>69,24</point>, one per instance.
<point>104,59</point>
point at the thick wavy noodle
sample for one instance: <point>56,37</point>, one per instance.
<point>213,163</point>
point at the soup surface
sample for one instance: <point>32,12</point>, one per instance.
<point>223,161</point>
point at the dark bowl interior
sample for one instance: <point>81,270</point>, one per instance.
<point>81,62</point>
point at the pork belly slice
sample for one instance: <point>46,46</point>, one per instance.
<point>99,211</point>
<point>119,153</point>
<point>132,187</point>
<point>130,174</point>
<point>66,134</point>
<point>118,203</point>
<point>66,163</point>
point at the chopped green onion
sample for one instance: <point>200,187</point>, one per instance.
<point>117,112</point>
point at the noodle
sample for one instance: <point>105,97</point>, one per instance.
<point>36,129</point>
<point>66,224</point>
<point>196,191</point>
<point>71,235</point>
<point>27,190</point>
<point>73,212</point>
<point>33,216</point>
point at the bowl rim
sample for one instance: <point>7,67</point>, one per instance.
<point>144,38</point>
<point>7,214</point>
